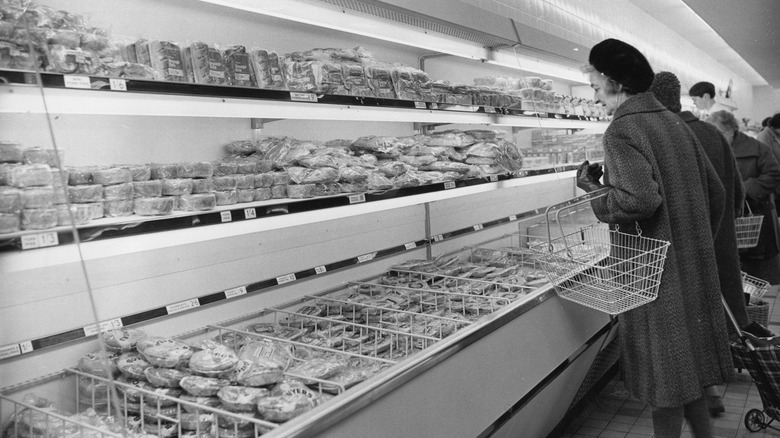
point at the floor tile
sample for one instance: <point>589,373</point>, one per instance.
<point>612,434</point>
<point>620,427</point>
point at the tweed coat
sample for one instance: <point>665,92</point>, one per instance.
<point>722,159</point>
<point>658,176</point>
<point>761,176</point>
<point>769,137</point>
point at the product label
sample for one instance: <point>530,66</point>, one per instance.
<point>94,329</point>
<point>410,245</point>
<point>217,74</point>
<point>117,84</point>
<point>478,227</point>
<point>10,351</point>
<point>420,105</point>
<point>320,270</point>
<point>438,238</point>
<point>26,347</point>
<point>356,199</point>
<point>303,97</point>
<point>490,109</point>
<point>285,279</point>
<point>41,240</point>
<point>250,213</point>
<point>226,216</point>
<point>175,72</point>
<point>235,292</point>
<point>366,257</point>
<point>449,185</point>
<point>242,77</point>
<point>513,217</point>
<point>76,81</point>
<point>184,305</point>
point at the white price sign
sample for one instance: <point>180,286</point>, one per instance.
<point>285,279</point>
<point>40,240</point>
<point>94,329</point>
<point>420,105</point>
<point>357,199</point>
<point>76,81</point>
<point>117,84</point>
<point>434,105</point>
<point>449,185</point>
<point>235,292</point>
<point>438,238</point>
<point>513,217</point>
<point>493,178</point>
<point>320,270</point>
<point>478,227</point>
<point>226,216</point>
<point>181,307</point>
<point>10,351</point>
<point>410,245</point>
<point>490,109</point>
<point>303,97</point>
<point>366,257</point>
<point>26,347</point>
<point>250,213</point>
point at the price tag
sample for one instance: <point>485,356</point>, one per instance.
<point>438,238</point>
<point>94,329</point>
<point>449,185</point>
<point>490,109</point>
<point>40,240</point>
<point>357,199</point>
<point>366,257</point>
<point>76,81</point>
<point>478,227</point>
<point>181,307</point>
<point>10,351</point>
<point>420,105</point>
<point>434,105</point>
<point>493,178</point>
<point>320,270</point>
<point>411,245</point>
<point>303,97</point>
<point>513,217</point>
<point>235,292</point>
<point>26,347</point>
<point>226,216</point>
<point>250,213</point>
<point>285,279</point>
<point>117,84</point>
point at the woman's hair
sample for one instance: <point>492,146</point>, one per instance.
<point>765,121</point>
<point>774,122</point>
<point>725,119</point>
<point>611,86</point>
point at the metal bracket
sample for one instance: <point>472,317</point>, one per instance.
<point>257,126</point>
<point>426,128</point>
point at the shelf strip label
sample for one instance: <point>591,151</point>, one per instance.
<point>320,270</point>
<point>366,257</point>
<point>182,306</point>
<point>235,292</point>
<point>77,82</point>
<point>303,97</point>
<point>94,329</point>
<point>40,240</point>
<point>284,279</point>
<point>9,351</point>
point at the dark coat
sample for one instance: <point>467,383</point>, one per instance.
<point>726,253</point>
<point>658,175</point>
<point>769,137</point>
<point>761,176</point>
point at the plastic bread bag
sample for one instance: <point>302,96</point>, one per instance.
<point>244,181</point>
<point>262,194</point>
<point>202,185</point>
<point>241,148</point>
<point>11,152</point>
<point>32,175</point>
<point>300,191</point>
<point>10,200</point>
<point>80,214</point>
<point>147,189</point>
<point>72,61</point>
<point>119,192</point>
<point>377,181</point>
<point>267,68</point>
<point>167,60</point>
<point>195,169</point>
<point>39,218</point>
<point>238,67</point>
<point>10,222</point>
<point>406,83</point>
<point>302,76</point>
<point>112,175</point>
<point>153,206</point>
<point>206,64</point>
<point>305,175</point>
<point>331,78</point>
<point>226,197</point>
<point>354,174</point>
<point>176,186</point>
<point>118,208</point>
<point>221,183</point>
<point>246,166</point>
<point>125,69</point>
<point>37,197</point>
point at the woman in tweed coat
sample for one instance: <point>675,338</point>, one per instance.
<point>657,176</point>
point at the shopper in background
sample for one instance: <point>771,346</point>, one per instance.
<point>760,174</point>
<point>703,95</point>
<point>657,177</point>
<point>666,88</point>
<point>770,136</point>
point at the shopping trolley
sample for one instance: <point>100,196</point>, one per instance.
<point>761,357</point>
<point>602,268</point>
<point>754,286</point>
<point>748,228</point>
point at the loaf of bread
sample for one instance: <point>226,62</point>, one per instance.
<point>196,202</point>
<point>140,172</point>
<point>224,168</point>
<point>169,354</point>
<point>226,197</point>
<point>10,222</point>
<point>264,180</point>
<point>176,186</point>
<point>11,152</point>
<point>164,377</point>
<point>119,192</point>
<point>206,64</point>
<point>80,175</point>
<point>132,364</point>
<point>244,181</point>
<point>241,398</point>
<point>112,175</point>
<point>215,359</point>
<point>203,185</point>
<point>280,409</point>
<point>153,206</point>
<point>246,195</point>
<point>300,191</point>
<point>167,61</point>
<point>10,200</point>
<point>262,194</point>
<point>225,183</point>
<point>238,66</point>
<point>202,386</point>
<point>96,210</point>
<point>164,171</point>
<point>100,363</point>
<point>30,175</point>
<point>85,193</point>
<point>278,191</point>
<point>39,218</point>
<point>258,372</point>
<point>81,214</point>
<point>147,189</point>
<point>39,155</point>
<point>195,169</point>
<point>118,208</point>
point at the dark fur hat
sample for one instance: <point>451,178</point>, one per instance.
<point>666,88</point>
<point>623,63</point>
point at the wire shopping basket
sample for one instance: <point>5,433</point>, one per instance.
<point>754,286</point>
<point>748,228</point>
<point>602,268</point>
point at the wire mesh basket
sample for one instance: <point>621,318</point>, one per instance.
<point>602,268</point>
<point>748,229</point>
<point>754,286</point>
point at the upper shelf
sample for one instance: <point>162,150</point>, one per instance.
<point>76,94</point>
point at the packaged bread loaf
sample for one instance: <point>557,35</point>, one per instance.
<point>118,208</point>
<point>195,169</point>
<point>39,218</point>
<point>164,377</point>
<point>11,152</point>
<point>264,180</point>
<point>176,186</point>
<point>267,68</point>
<point>300,191</point>
<point>37,197</point>
<point>262,194</point>
<point>139,172</point>
<point>81,214</point>
<point>60,195</point>
<point>213,360</point>
<point>202,386</point>
<point>5,170</point>
<point>153,206</point>
<point>246,167</point>
<point>80,175</point>
<point>196,422</point>
<point>100,363</point>
<point>281,178</point>
<point>196,202</point>
<point>246,195</point>
<point>85,193</point>
<point>123,339</point>
<point>10,222</point>
<point>112,175</point>
<point>280,409</point>
<point>10,200</point>
<point>202,185</point>
<point>206,64</point>
<point>167,61</point>
<point>258,372</point>
<point>226,197</point>
<point>96,209</point>
<point>223,168</point>
<point>169,354</point>
<point>238,66</point>
<point>61,59</point>
<point>119,192</point>
<point>264,166</point>
<point>147,189</point>
<point>164,171</point>
<point>278,191</point>
<point>225,183</point>
<point>36,155</point>
<point>132,364</point>
<point>267,350</point>
<point>208,401</point>
<point>244,181</point>
<point>31,175</point>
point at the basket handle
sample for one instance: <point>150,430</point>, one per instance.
<point>750,212</point>
<point>566,205</point>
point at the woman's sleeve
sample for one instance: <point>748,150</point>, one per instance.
<point>633,193</point>
<point>768,178</point>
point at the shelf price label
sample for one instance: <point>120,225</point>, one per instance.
<point>303,97</point>
<point>320,270</point>
<point>181,307</point>
<point>357,199</point>
<point>77,81</point>
<point>366,257</point>
<point>226,216</point>
<point>434,105</point>
<point>438,238</point>
<point>449,185</point>
<point>250,213</point>
<point>420,105</point>
<point>10,351</point>
<point>235,292</point>
<point>411,245</point>
<point>490,109</point>
<point>40,240</point>
<point>117,84</point>
<point>94,329</point>
<point>478,227</point>
<point>513,217</point>
<point>26,347</point>
<point>285,279</point>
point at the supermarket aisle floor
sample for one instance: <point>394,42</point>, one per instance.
<point>614,414</point>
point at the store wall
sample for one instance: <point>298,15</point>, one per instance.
<point>766,103</point>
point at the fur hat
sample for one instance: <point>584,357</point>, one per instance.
<point>666,88</point>
<point>623,63</point>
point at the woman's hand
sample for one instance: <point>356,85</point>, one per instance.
<point>588,176</point>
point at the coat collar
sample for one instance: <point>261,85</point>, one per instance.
<point>688,116</point>
<point>744,146</point>
<point>641,103</point>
